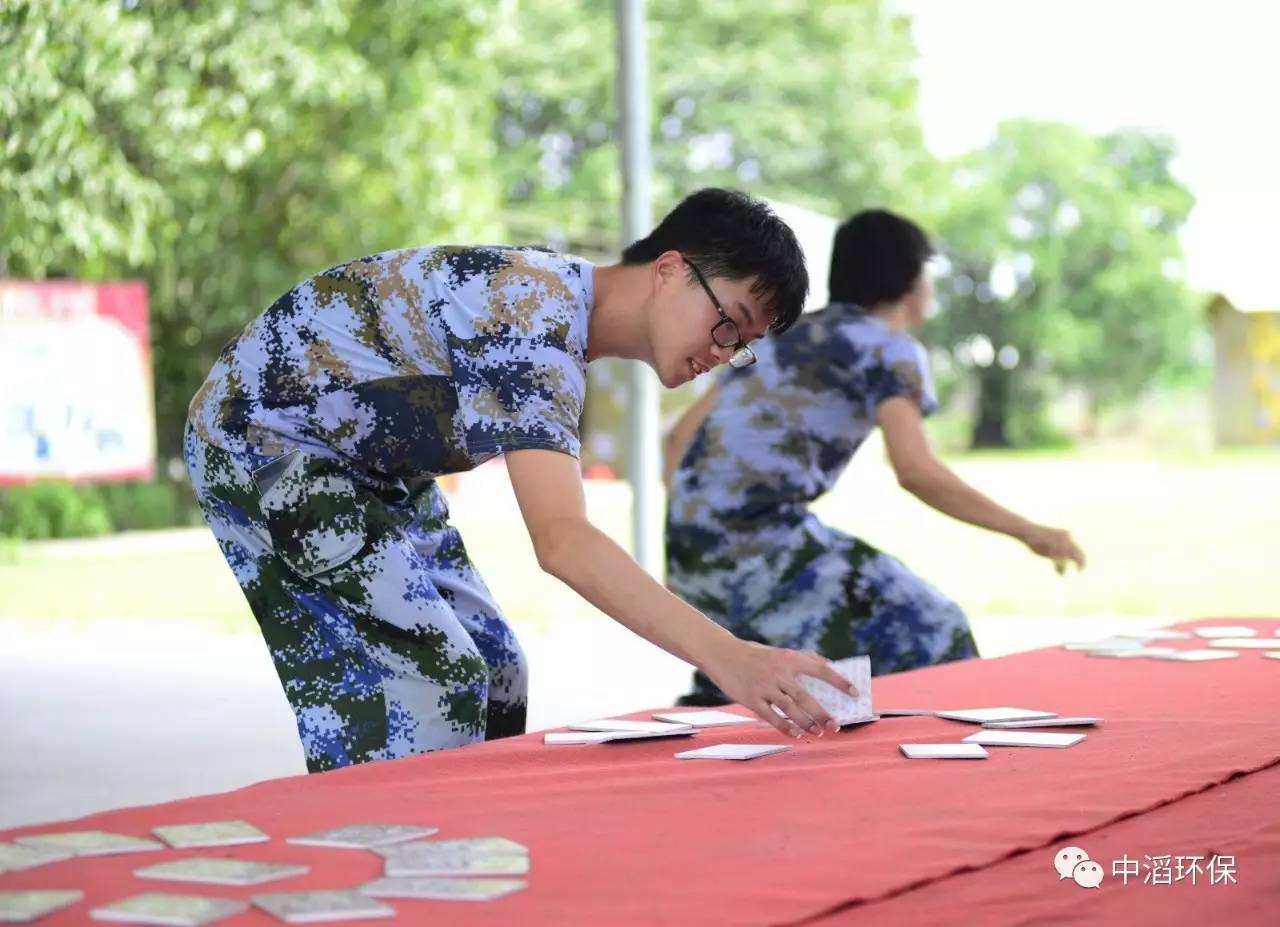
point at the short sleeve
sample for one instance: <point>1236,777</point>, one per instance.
<point>516,394</point>
<point>897,366</point>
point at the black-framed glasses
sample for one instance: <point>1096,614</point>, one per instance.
<point>725,333</point>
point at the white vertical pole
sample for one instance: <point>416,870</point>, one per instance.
<point>637,221</point>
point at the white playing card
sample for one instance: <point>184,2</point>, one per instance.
<point>364,836</point>
<point>1196,656</point>
<point>619,724</point>
<point>444,889</point>
<point>211,834</point>
<point>943,751</point>
<point>1273,654</point>
<point>319,907</point>
<point>843,707</point>
<point>89,843</point>
<point>15,857</point>
<point>23,907</point>
<point>169,910</point>
<point>732,752</point>
<point>494,846</point>
<point>577,737</point>
<point>980,715</point>
<point>679,731</point>
<point>1226,630</point>
<point>906,712</point>
<point>1158,634</point>
<point>220,871</point>
<point>1244,643</point>
<point>1106,643</point>
<point>1072,721</point>
<point>1135,653</point>
<point>1023,739</point>
<point>457,863</point>
<point>708,718</point>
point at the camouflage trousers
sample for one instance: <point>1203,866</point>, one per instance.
<point>383,634</point>
<point>814,589</point>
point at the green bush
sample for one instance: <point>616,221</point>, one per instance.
<point>46,510</point>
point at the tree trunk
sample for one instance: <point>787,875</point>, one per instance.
<point>993,408</point>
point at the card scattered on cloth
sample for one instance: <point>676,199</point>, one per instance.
<point>577,737</point>
<point>15,857</point>
<point>25,907</point>
<point>1024,739</point>
<point>943,751</point>
<point>220,871</point>
<point>906,712</point>
<point>1107,643</point>
<point>498,846</point>
<point>212,834</point>
<point>1135,653</point>
<point>444,889</point>
<point>981,715</point>
<point>319,907</point>
<point>1273,654</point>
<point>843,707</point>
<point>1158,634</point>
<point>732,752</point>
<point>166,909</point>
<point>1075,721</point>
<point>708,718</point>
<point>1225,630</point>
<point>456,863</point>
<point>1244,643</point>
<point>364,836</point>
<point>1196,656</point>
<point>90,843</point>
<point>636,727</point>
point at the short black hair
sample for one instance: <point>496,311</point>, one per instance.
<point>876,257</point>
<point>728,234</point>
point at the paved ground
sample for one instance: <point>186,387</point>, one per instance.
<point>98,715</point>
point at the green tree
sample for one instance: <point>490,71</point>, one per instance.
<point>1063,270</point>
<point>812,103</point>
<point>223,151</point>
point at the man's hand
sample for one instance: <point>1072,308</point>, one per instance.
<point>1055,544</point>
<point>761,677</point>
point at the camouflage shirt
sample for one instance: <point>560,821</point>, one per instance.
<point>411,363</point>
<point>782,431</point>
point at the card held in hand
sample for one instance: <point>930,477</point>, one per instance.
<point>843,707</point>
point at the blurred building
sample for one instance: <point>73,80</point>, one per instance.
<point>1246,372</point>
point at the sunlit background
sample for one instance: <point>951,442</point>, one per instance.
<point>1098,177</point>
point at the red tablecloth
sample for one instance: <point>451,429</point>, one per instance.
<point>839,830</point>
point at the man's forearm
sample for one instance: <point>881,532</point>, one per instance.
<point>593,565</point>
<point>938,487</point>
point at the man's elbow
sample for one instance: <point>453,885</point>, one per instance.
<point>553,546</point>
<point>914,480</point>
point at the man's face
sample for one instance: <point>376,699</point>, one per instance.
<point>919,298</point>
<point>682,316</point>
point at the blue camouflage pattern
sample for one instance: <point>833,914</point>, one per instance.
<point>313,449</point>
<point>742,544</point>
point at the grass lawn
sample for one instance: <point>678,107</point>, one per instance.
<point>1183,537</point>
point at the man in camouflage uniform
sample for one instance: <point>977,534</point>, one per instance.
<point>749,458</point>
<point>315,444</point>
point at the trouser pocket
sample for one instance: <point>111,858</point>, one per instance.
<point>313,509</point>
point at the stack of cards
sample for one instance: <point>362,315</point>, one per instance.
<point>1244,643</point>
<point>843,707</point>
<point>943,751</point>
<point>89,843</point>
<point>1076,721</point>
<point>212,834</point>
<point>443,889</point>
<point>321,907</point>
<point>1195,656</point>
<point>1134,653</point>
<point>174,910</point>
<point>462,857</point>
<point>25,907</point>
<point>621,725</point>
<point>364,836</point>
<point>220,871</point>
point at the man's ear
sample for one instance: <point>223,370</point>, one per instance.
<point>667,268</point>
